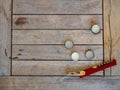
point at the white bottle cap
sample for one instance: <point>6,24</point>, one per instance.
<point>75,56</point>
<point>95,29</point>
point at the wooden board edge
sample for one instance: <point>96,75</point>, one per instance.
<point>107,38</point>
<point>58,83</point>
<point>5,37</point>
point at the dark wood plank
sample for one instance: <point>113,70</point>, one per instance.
<point>57,6</point>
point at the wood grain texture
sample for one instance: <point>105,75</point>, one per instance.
<point>107,38</point>
<point>57,6</point>
<point>56,21</point>
<point>5,36</point>
<point>51,52</point>
<point>50,67</point>
<point>59,83</point>
<point>56,37</point>
<point>112,34</point>
<point>115,31</point>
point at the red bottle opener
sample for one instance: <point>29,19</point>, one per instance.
<point>94,69</point>
<point>98,68</point>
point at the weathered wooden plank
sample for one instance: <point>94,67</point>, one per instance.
<point>112,34</point>
<point>107,38</point>
<point>52,52</point>
<point>5,36</point>
<point>57,7</point>
<point>56,21</point>
<point>115,31</point>
<point>49,67</point>
<point>59,83</point>
<point>56,37</point>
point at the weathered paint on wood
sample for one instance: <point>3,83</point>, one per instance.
<point>57,6</point>
<point>59,83</point>
<point>51,52</point>
<point>50,67</point>
<point>56,37</point>
<point>5,36</point>
<point>56,21</point>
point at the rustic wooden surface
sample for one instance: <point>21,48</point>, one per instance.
<point>111,22</point>
<point>112,34</point>
<point>51,52</point>
<point>5,36</point>
<point>56,37</point>
<point>115,31</point>
<point>59,83</point>
<point>56,21</point>
<point>57,7</point>
<point>107,38</point>
<point>40,36</point>
<point>50,67</point>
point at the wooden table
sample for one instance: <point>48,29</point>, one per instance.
<point>32,37</point>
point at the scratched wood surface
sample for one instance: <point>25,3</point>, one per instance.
<point>5,36</point>
<point>56,37</point>
<point>57,7</point>
<point>50,67</point>
<point>51,52</point>
<point>56,21</point>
